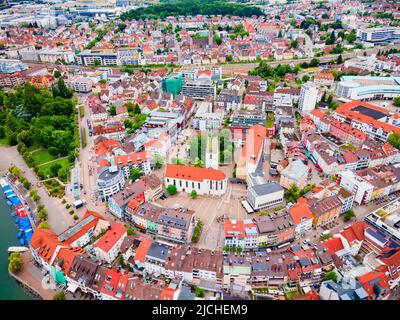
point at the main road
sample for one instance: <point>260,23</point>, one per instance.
<point>230,69</point>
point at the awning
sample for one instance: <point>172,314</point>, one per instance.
<point>72,287</point>
<point>247,206</point>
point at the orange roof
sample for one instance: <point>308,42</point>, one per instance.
<point>346,110</point>
<point>193,173</point>
<point>142,250</point>
<point>66,256</point>
<point>300,212</point>
<point>46,242</point>
<point>318,113</point>
<point>333,245</point>
<point>324,75</point>
<point>132,158</point>
<point>369,279</point>
<point>111,237</point>
<point>354,232</point>
<point>167,294</point>
<point>234,229</point>
<point>253,145</point>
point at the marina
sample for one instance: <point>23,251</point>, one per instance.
<point>19,214</point>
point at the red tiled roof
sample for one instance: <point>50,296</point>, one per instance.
<point>193,173</point>
<point>299,212</point>
<point>142,250</point>
<point>108,240</point>
<point>333,245</point>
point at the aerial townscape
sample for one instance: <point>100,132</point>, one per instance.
<point>200,150</point>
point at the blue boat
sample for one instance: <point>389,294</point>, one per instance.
<point>21,242</point>
<point>17,220</point>
<point>9,203</point>
<point>19,235</point>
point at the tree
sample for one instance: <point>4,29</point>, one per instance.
<point>63,174</point>
<point>135,174</point>
<point>394,140</point>
<point>293,193</point>
<point>15,262</point>
<point>53,151</point>
<point>332,275</point>
<point>396,101</point>
<point>339,59</point>
<point>348,215</point>
<point>44,225</point>
<point>54,168</point>
<point>294,44</point>
<point>228,58</point>
<point>112,111</point>
<point>158,161</point>
<point>171,189</point>
<point>42,214</point>
<point>193,194</point>
<point>60,295</point>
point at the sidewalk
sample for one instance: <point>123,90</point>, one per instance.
<point>32,277</point>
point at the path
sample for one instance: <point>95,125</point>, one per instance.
<point>58,218</point>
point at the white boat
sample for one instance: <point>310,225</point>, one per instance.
<point>17,249</point>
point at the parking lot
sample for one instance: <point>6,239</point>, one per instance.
<point>212,210</point>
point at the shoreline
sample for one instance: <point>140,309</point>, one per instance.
<point>27,288</point>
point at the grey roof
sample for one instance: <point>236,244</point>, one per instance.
<point>267,188</point>
<point>158,251</point>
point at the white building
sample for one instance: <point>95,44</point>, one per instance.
<point>108,246</point>
<point>110,181</point>
<point>308,97</point>
<point>356,185</point>
<point>201,180</point>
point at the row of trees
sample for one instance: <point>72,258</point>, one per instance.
<point>193,8</point>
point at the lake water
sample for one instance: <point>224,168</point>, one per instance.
<point>9,288</point>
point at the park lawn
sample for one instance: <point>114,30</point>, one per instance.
<point>42,156</point>
<point>45,168</point>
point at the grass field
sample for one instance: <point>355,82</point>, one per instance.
<point>44,170</point>
<point>35,145</point>
<point>42,156</point>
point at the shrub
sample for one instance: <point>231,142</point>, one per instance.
<point>171,189</point>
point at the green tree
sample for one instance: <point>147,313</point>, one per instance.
<point>348,215</point>
<point>15,262</point>
<point>135,174</point>
<point>193,194</point>
<point>44,225</point>
<point>396,101</point>
<point>332,275</point>
<point>54,168</point>
<point>171,189</point>
<point>60,295</point>
<point>112,111</point>
<point>394,140</point>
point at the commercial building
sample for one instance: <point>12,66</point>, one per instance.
<point>379,35</point>
<point>110,180</point>
<point>369,87</point>
<point>104,58</point>
<point>264,196</point>
<point>167,223</point>
<point>241,233</point>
